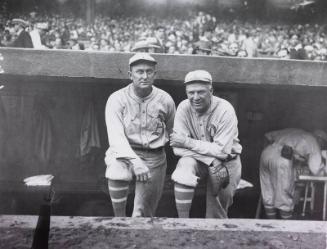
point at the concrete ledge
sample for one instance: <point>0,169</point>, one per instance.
<point>18,221</point>
<point>108,232</point>
<point>62,222</point>
<point>105,65</point>
<point>193,224</point>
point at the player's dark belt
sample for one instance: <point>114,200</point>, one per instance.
<point>159,149</point>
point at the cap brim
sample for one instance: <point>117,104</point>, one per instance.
<point>144,60</point>
<point>196,81</point>
<point>145,47</point>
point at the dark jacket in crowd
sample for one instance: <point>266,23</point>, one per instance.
<point>23,40</point>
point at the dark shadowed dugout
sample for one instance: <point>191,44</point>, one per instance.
<point>52,117</point>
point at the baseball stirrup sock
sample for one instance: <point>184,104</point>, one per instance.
<point>286,214</point>
<point>271,213</point>
<point>118,191</point>
<point>183,197</point>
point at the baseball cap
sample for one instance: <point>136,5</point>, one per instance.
<point>198,75</point>
<point>141,57</point>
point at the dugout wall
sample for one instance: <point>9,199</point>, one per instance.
<point>52,108</point>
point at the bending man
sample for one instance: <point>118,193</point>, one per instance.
<point>287,152</point>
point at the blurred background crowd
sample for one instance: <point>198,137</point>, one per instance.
<point>194,30</point>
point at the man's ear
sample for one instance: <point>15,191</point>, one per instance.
<point>130,74</point>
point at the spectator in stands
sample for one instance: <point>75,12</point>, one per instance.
<point>159,35</point>
<point>249,45</point>
<point>321,54</point>
<point>104,45</point>
<point>310,53</point>
<point>35,34</point>
<point>23,39</point>
<point>172,49</point>
<point>241,53</point>
<point>283,53</point>
<point>140,46</point>
<point>296,48</point>
<point>202,48</point>
<point>2,31</point>
<point>233,49</point>
<point>178,35</point>
<point>199,22</point>
<point>266,45</point>
<point>6,38</point>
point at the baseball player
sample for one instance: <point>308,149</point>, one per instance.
<point>139,119</point>
<point>287,152</point>
<point>206,138</point>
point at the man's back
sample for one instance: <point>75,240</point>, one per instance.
<point>300,140</point>
<point>304,145</point>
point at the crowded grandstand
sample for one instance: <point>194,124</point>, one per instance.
<point>197,31</point>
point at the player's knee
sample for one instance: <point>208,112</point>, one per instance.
<point>118,170</point>
<point>184,173</point>
<point>190,162</point>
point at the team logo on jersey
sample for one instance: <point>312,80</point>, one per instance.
<point>159,126</point>
<point>212,129</point>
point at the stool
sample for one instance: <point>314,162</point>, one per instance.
<point>309,186</point>
<point>259,207</point>
<point>310,181</point>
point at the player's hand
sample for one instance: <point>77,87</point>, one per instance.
<point>177,140</point>
<point>126,161</point>
<point>141,171</point>
<point>216,163</point>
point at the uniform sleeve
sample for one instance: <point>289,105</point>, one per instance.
<point>315,163</point>
<point>180,121</point>
<point>118,142</point>
<point>223,139</point>
<point>189,153</point>
<point>181,127</point>
<point>170,115</point>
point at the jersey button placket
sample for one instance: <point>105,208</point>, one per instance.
<point>143,115</point>
<point>143,124</point>
<point>202,129</point>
